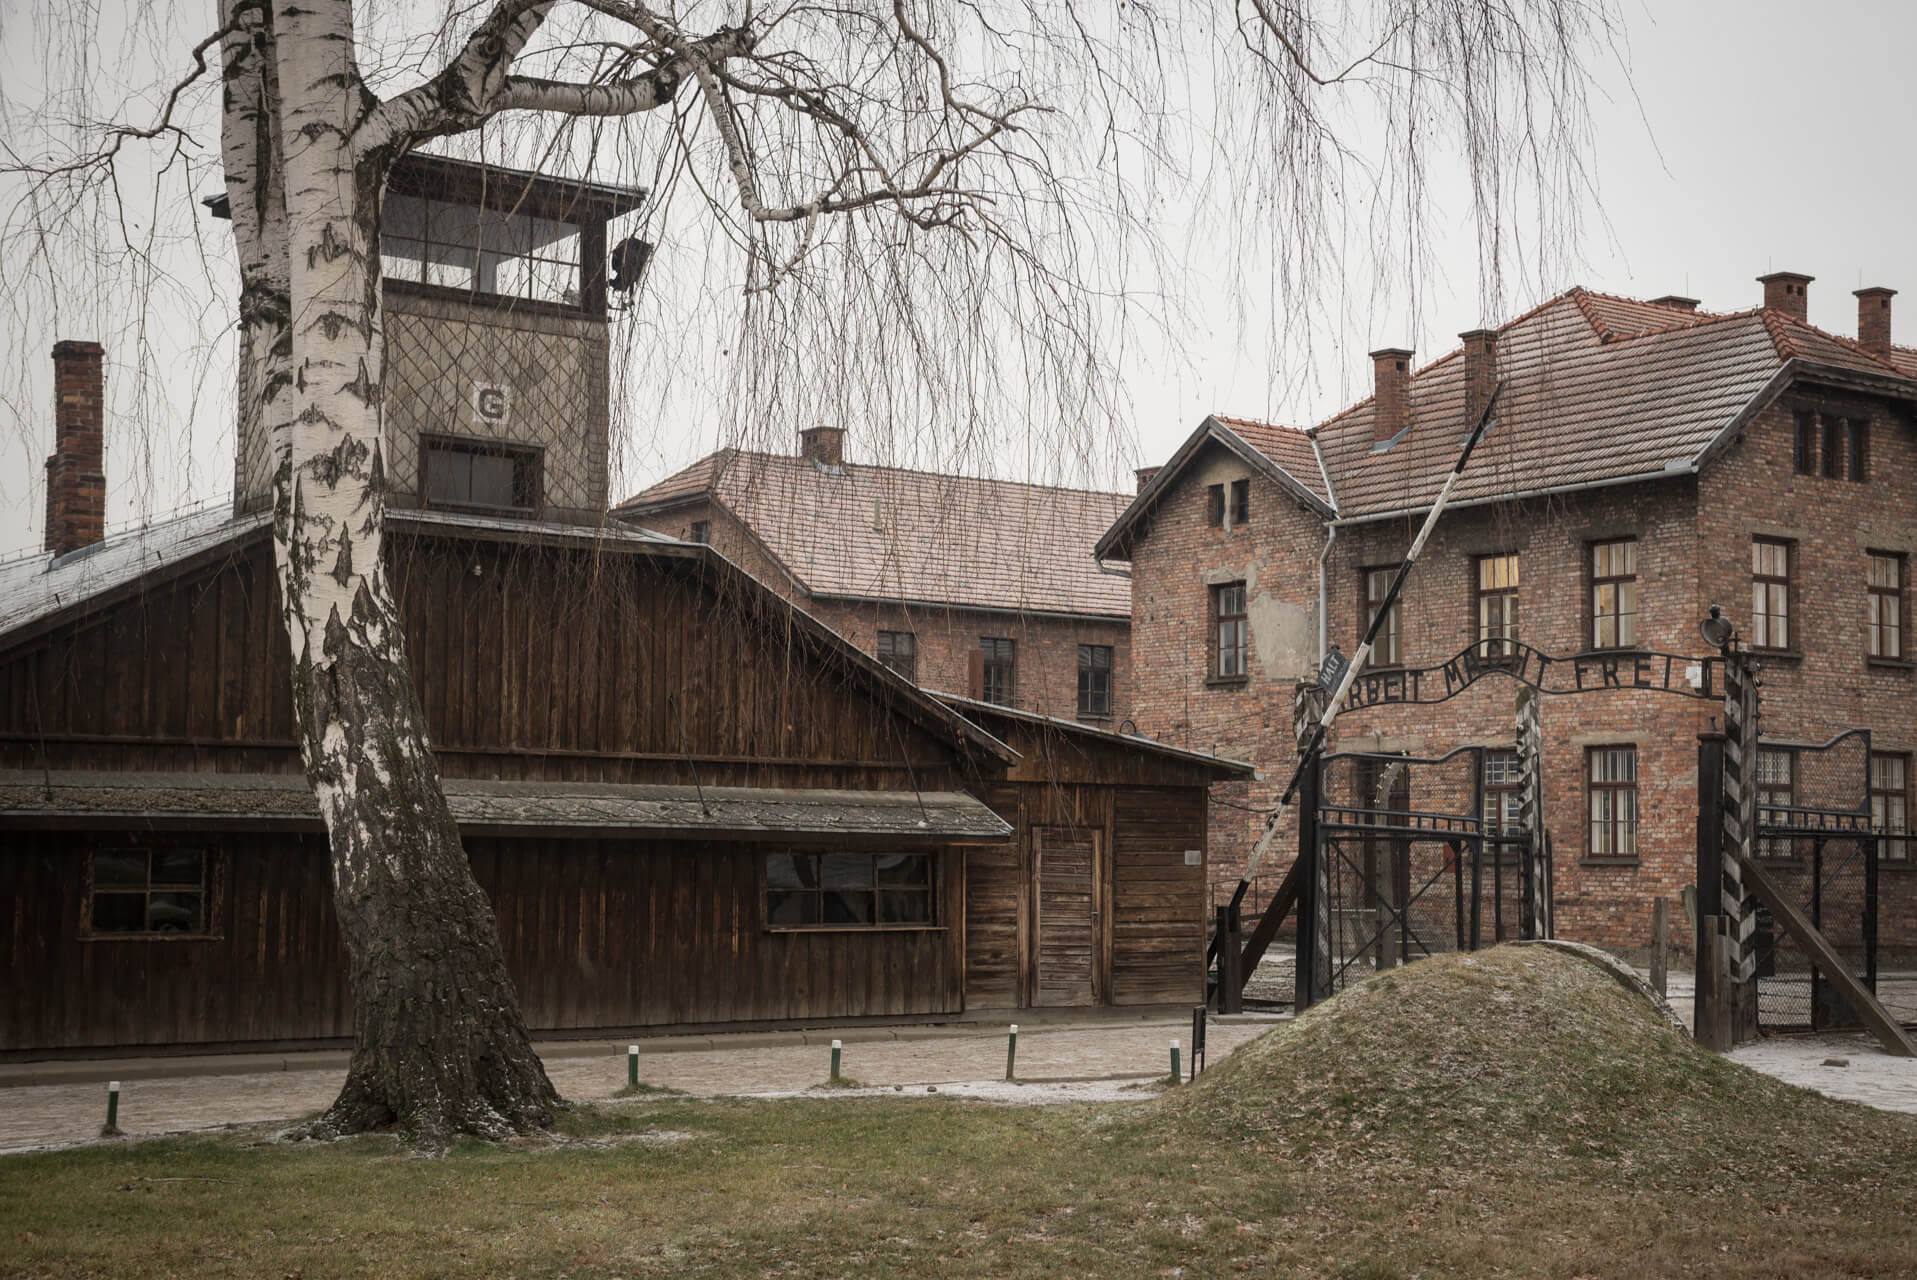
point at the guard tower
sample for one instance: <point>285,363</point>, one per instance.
<point>496,380</point>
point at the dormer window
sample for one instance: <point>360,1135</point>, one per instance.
<point>481,476</point>
<point>474,250</point>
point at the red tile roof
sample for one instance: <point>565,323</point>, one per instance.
<point>1285,455</point>
<point>1595,389</point>
<point>889,533</point>
<point>1289,447</point>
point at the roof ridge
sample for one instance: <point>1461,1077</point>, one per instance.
<point>943,475</point>
<point>1842,340</point>
<point>1582,297</point>
<point>1690,320</point>
<point>1556,299</point>
<point>1642,302</point>
<point>1260,422</point>
<point>1774,325</point>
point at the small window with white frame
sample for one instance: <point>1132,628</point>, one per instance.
<point>1770,593</point>
<point>1614,594</point>
<point>1884,606</point>
<point>1776,787</point>
<point>1611,786</point>
<point>1229,631</point>
<point>1890,805</point>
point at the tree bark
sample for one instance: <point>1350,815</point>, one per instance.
<point>440,1047</point>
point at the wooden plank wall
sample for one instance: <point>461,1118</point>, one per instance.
<point>994,907</point>
<point>610,933</point>
<point>1158,925</point>
<point>596,934</point>
<point>531,661</point>
<point>197,658</point>
<point>276,973</point>
<point>1149,945</point>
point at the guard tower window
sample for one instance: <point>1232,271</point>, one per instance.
<point>463,473</point>
<point>456,246</point>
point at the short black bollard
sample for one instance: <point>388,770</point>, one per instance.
<point>1011,1052</point>
<point>835,1059</point>
<point>1175,1073</point>
<point>1197,1040</point>
<point>112,1128</point>
<point>632,1066</point>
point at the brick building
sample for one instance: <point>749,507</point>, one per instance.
<point>1646,460</point>
<point>984,588</point>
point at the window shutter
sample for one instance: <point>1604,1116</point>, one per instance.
<point>1215,505</point>
<point>975,675</point>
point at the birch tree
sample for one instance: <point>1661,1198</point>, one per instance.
<point>931,125</point>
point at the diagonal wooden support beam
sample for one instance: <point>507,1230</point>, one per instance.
<point>1889,1032</point>
<point>1275,912</point>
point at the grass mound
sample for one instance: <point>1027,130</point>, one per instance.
<point>1517,1055</point>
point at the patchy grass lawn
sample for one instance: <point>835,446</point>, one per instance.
<point>1510,1113</point>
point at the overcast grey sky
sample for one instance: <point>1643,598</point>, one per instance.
<point>1755,135</point>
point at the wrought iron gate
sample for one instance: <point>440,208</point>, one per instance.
<point>1813,836</point>
<point>1398,866</point>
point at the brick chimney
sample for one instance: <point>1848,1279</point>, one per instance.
<point>1873,319</point>
<point>1676,302</point>
<point>1787,291</point>
<point>1480,372</point>
<point>1391,412</point>
<point>824,445</point>
<point>76,473</point>
<point>1145,475</point>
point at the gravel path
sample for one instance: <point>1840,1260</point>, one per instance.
<point>1058,1065</point>
<point>1869,1076</point>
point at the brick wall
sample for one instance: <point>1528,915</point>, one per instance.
<point>1693,550</point>
<point>1175,699</point>
<point>1606,901</point>
<point>1827,684</point>
<point>76,471</point>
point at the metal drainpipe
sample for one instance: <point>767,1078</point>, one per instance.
<point>1324,621</point>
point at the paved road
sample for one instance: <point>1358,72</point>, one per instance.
<point>35,1115</point>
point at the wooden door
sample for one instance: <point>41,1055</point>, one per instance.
<point>1067,915</point>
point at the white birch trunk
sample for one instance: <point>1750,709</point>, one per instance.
<point>439,1043</point>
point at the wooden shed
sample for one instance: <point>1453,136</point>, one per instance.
<point>690,803</point>
<point>1100,897</point>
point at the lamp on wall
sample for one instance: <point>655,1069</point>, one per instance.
<point>1718,631</point>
